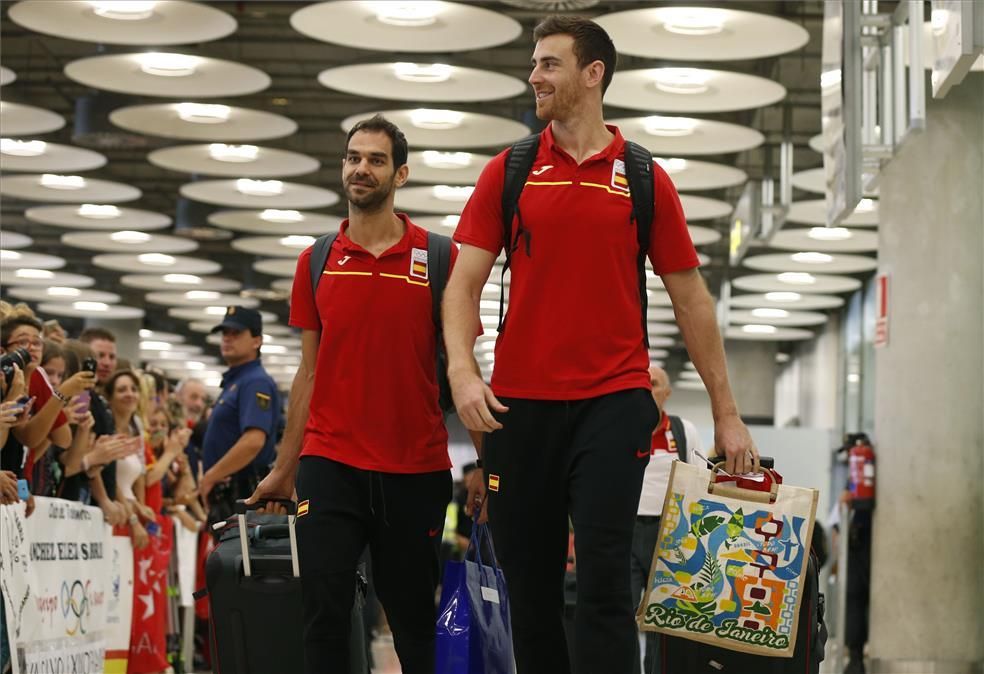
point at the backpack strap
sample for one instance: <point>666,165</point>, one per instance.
<point>519,163</point>
<point>679,434</point>
<point>438,268</point>
<point>639,172</point>
<point>319,258</point>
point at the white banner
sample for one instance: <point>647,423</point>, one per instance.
<point>119,609</point>
<point>54,576</point>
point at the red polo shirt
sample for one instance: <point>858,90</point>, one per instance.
<point>374,404</point>
<point>574,323</point>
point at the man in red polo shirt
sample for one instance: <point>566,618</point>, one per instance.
<point>374,464</point>
<point>569,416</point>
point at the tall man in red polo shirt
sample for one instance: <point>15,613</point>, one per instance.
<point>374,464</point>
<point>569,414</point>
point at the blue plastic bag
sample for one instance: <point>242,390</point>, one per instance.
<point>473,630</point>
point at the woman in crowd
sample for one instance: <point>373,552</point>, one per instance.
<point>168,439</point>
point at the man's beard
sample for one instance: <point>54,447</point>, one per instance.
<point>370,202</point>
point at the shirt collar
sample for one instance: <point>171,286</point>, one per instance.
<point>613,151</point>
<point>402,246</point>
<point>234,373</point>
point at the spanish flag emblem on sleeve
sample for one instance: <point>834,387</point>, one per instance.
<point>302,507</point>
<point>493,482</point>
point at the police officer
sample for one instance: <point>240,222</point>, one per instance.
<point>239,443</point>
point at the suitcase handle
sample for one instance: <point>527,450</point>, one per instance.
<point>242,507</point>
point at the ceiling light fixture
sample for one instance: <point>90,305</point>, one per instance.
<point>273,348</point>
<point>203,113</point>
<point>812,257</point>
<point>62,291</point>
<point>407,14</point>
<point>447,160</point>
<point>681,80</point>
<point>770,313</point>
<point>692,21</point>
<point>236,154</point>
<point>669,126</point>
<point>57,182</point>
<point>124,10</point>
<point>453,193</point>
<point>830,79</point>
<point>276,215</point>
<point>34,273</point>
<point>783,296</point>
<point>129,236</point>
<point>297,241</point>
<point>164,64</point>
<point>259,188</point>
<point>422,73</point>
<point>156,259</point>
<point>865,206</point>
<point>796,278</point>
<point>450,221</point>
<point>429,118</point>
<point>759,329</point>
<point>155,346</point>
<point>201,295</point>
<point>830,233</point>
<point>185,279</point>
<point>215,311</point>
<point>22,148</point>
<point>671,166</point>
<point>90,306</point>
<point>98,211</point>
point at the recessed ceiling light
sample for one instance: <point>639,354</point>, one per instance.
<point>812,257</point>
<point>673,165</point>
<point>428,118</point>
<point>273,348</point>
<point>453,193</point>
<point>275,215</point>
<point>447,160</point>
<point>57,182</point>
<point>767,312</point>
<point>10,255</point>
<point>693,21</point>
<point>865,206</point>
<point>204,295</point>
<point>194,365</point>
<point>61,291</point>
<point>423,73</point>
<point>259,188</point>
<point>236,154</point>
<point>782,357</point>
<point>203,113</point>
<point>406,14</point>
<point>98,211</point>
<point>450,220</point>
<point>128,236</point>
<point>796,278</point>
<point>759,329</point>
<point>90,306</point>
<point>168,65</point>
<point>297,241</point>
<point>215,311</point>
<point>124,10</point>
<point>830,79</point>
<point>186,279</point>
<point>830,233</point>
<point>486,346</point>
<point>34,273</point>
<point>783,296</point>
<point>156,259</point>
<point>658,125</point>
<point>22,148</point>
<point>681,80</point>
<point>155,346</point>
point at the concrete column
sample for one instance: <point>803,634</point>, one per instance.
<point>127,331</point>
<point>752,371</point>
<point>927,594</point>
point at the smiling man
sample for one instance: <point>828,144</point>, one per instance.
<point>569,415</point>
<point>241,436</point>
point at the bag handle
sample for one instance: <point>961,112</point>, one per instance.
<point>479,532</point>
<point>740,493</point>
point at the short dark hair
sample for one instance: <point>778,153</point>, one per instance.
<point>591,42</point>
<point>90,335</point>
<point>110,385</point>
<point>379,124</point>
<point>13,321</point>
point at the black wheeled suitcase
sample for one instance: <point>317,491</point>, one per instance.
<point>253,583</point>
<point>683,656</point>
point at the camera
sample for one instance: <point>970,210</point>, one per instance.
<point>19,357</point>
<point>89,365</point>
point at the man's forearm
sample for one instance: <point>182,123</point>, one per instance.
<point>298,410</point>
<point>695,315</point>
<point>239,455</point>
<point>460,314</point>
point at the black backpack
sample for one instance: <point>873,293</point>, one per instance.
<point>639,173</point>
<point>679,437</point>
<point>439,263</point>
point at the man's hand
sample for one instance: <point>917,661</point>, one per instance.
<point>475,483</point>
<point>83,380</point>
<point>731,438</point>
<point>278,483</point>
<point>475,401</point>
<point>8,488</point>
